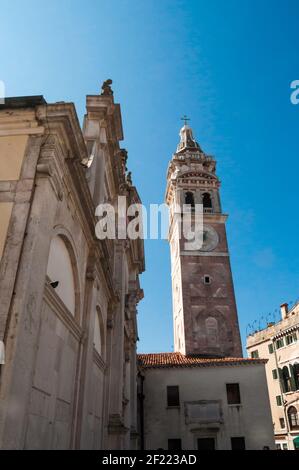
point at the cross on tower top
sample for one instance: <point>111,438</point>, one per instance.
<point>185,119</point>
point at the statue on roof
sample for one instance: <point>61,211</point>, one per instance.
<point>106,88</point>
<point>129,178</point>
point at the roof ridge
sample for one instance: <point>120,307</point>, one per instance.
<point>177,359</point>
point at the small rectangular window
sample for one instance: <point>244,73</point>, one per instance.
<point>279,343</point>
<point>233,394</point>
<point>174,444</point>
<point>238,443</point>
<point>255,354</point>
<point>270,347</point>
<point>207,279</point>
<point>274,374</point>
<point>173,395</point>
<point>282,423</point>
<point>278,400</point>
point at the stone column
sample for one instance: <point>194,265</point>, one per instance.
<point>81,438</point>
<point>106,399</point>
<point>116,428</point>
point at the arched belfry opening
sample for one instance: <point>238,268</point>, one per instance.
<point>207,201</point>
<point>189,199</point>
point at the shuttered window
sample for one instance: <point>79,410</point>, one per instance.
<point>279,343</point>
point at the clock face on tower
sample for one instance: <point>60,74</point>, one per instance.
<point>210,238</point>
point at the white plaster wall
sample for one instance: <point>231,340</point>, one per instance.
<point>251,420</point>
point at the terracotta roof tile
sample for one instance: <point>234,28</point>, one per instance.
<point>176,359</point>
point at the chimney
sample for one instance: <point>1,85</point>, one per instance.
<point>284,308</point>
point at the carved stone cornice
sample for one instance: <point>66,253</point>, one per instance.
<point>133,297</point>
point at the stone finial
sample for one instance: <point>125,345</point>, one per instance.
<point>106,88</point>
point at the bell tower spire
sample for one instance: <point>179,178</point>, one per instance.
<point>187,140</point>
<point>204,308</point>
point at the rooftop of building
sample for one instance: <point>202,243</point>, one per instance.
<point>176,359</point>
<point>287,324</point>
<point>15,102</point>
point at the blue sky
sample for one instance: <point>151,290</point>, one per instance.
<point>228,65</point>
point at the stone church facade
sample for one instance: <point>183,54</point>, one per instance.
<point>204,395</point>
<point>68,300</point>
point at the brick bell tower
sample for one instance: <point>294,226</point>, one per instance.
<point>204,307</point>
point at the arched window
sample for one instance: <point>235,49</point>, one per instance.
<point>212,331</point>
<point>206,201</point>
<point>293,418</point>
<point>60,269</point>
<point>189,198</point>
<point>98,335</point>
<point>286,379</point>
